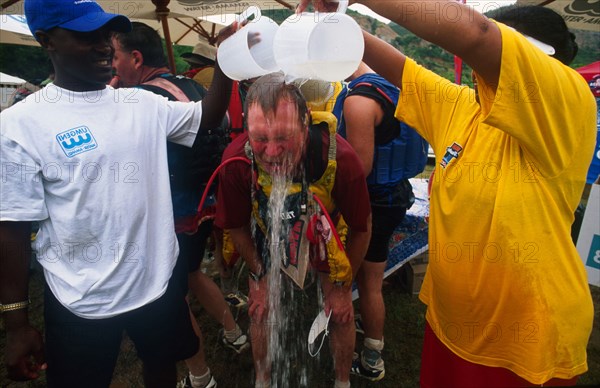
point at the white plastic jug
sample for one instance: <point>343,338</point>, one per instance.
<point>237,59</point>
<point>325,46</point>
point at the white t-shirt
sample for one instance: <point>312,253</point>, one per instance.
<point>92,168</point>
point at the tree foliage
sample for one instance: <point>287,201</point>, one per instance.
<point>27,62</point>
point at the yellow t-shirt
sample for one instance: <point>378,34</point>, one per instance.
<point>505,286</point>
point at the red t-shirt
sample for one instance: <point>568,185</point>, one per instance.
<point>234,203</point>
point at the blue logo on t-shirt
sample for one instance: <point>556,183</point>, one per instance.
<point>76,140</point>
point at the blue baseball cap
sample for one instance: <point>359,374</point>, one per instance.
<point>74,15</point>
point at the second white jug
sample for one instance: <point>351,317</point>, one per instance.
<point>325,46</point>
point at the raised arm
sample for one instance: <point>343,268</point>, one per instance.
<point>216,101</point>
<point>215,104</point>
<point>451,25</point>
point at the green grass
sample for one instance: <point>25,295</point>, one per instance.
<point>404,335</point>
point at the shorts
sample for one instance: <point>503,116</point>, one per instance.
<point>440,367</point>
<point>192,246</point>
<point>83,352</point>
<point>385,219</point>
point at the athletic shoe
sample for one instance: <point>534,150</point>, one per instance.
<point>358,325</point>
<point>362,369</point>
<point>187,383</point>
<point>238,346</point>
<point>236,299</point>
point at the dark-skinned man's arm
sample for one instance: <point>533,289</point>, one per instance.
<point>24,345</point>
<point>440,22</point>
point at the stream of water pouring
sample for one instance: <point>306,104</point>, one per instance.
<point>287,347</point>
<point>276,318</point>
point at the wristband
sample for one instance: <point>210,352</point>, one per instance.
<point>14,306</point>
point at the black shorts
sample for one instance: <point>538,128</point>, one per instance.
<point>83,352</point>
<point>192,246</point>
<point>385,219</point>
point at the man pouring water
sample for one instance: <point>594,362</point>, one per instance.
<point>292,192</point>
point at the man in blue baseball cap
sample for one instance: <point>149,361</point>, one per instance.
<point>54,24</point>
<point>89,163</point>
<point>74,15</point>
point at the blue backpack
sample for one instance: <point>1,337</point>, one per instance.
<point>400,152</point>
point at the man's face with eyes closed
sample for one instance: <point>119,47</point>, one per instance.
<point>277,138</point>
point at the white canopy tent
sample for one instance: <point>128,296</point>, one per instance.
<point>189,31</point>
<point>579,14</point>
<point>10,80</point>
<point>8,86</point>
<point>187,18</point>
<point>14,30</point>
<point>184,31</point>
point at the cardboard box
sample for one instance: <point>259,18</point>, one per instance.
<point>588,242</point>
<point>419,267</point>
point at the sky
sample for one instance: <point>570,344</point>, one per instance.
<point>480,5</point>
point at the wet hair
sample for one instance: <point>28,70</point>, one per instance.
<point>269,90</point>
<point>542,24</point>
<point>146,40</point>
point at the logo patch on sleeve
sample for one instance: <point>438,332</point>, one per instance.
<point>76,141</point>
<point>452,152</point>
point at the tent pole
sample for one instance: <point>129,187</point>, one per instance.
<point>163,13</point>
<point>285,4</point>
<point>8,3</point>
<point>168,43</point>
